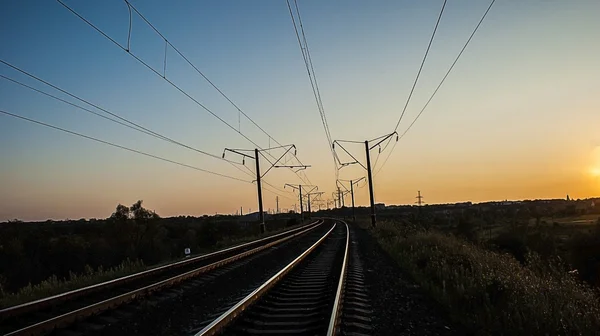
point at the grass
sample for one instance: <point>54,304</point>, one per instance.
<point>54,285</point>
<point>489,292</point>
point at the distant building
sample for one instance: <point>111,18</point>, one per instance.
<point>380,206</point>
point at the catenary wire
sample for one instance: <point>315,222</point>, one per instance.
<point>131,124</point>
<point>167,42</point>
<point>441,82</point>
<point>421,67</point>
<point>119,146</point>
<point>158,73</point>
<point>121,121</point>
<point>312,78</point>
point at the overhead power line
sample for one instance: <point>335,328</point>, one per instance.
<point>163,75</point>
<point>119,120</point>
<point>422,63</point>
<point>305,50</point>
<point>441,82</point>
<point>450,69</point>
<point>204,76</point>
<point>119,146</point>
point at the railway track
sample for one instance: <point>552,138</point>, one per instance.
<point>304,298</point>
<point>59,311</point>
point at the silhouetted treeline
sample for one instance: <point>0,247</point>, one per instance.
<point>32,252</point>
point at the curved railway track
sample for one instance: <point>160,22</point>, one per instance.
<point>42,316</point>
<point>303,298</point>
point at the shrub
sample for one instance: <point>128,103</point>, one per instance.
<point>55,285</point>
<point>490,292</point>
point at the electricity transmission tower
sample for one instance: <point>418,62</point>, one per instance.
<point>419,199</point>
<point>368,147</point>
<point>256,158</point>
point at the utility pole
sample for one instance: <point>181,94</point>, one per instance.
<point>308,197</point>
<point>353,210</point>
<point>241,211</point>
<point>370,175</point>
<point>277,201</point>
<point>299,188</point>
<point>301,209</point>
<point>308,204</point>
<point>260,204</point>
<point>352,183</point>
<point>339,198</point>
<point>378,141</point>
<point>256,158</point>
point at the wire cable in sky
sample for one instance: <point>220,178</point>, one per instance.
<point>450,69</point>
<point>441,82</point>
<point>167,42</point>
<point>157,72</point>
<point>198,71</point>
<point>303,44</point>
<point>120,147</point>
<point>421,67</point>
<point>125,122</point>
<point>131,124</point>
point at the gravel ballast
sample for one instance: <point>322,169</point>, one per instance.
<point>185,309</point>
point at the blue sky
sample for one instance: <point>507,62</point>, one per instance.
<point>515,119</point>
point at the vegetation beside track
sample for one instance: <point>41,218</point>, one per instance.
<point>489,291</point>
<point>47,258</point>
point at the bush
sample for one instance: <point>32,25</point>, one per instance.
<point>55,285</point>
<point>493,293</point>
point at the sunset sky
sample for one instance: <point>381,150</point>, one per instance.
<point>518,118</point>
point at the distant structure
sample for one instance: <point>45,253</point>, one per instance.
<point>419,199</point>
<point>568,198</point>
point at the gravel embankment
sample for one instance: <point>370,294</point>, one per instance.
<point>185,309</point>
<point>399,306</point>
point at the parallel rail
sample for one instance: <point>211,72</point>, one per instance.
<point>309,289</point>
<point>68,318</point>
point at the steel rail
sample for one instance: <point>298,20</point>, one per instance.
<point>337,304</point>
<point>111,303</point>
<point>58,298</point>
<point>230,315</point>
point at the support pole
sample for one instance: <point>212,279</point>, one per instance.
<point>370,174</point>
<point>308,205</point>
<point>260,200</point>
<point>352,192</point>
<point>301,208</point>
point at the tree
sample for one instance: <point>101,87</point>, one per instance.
<point>140,213</point>
<point>121,214</point>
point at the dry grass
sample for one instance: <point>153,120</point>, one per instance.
<point>53,285</point>
<point>492,293</point>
